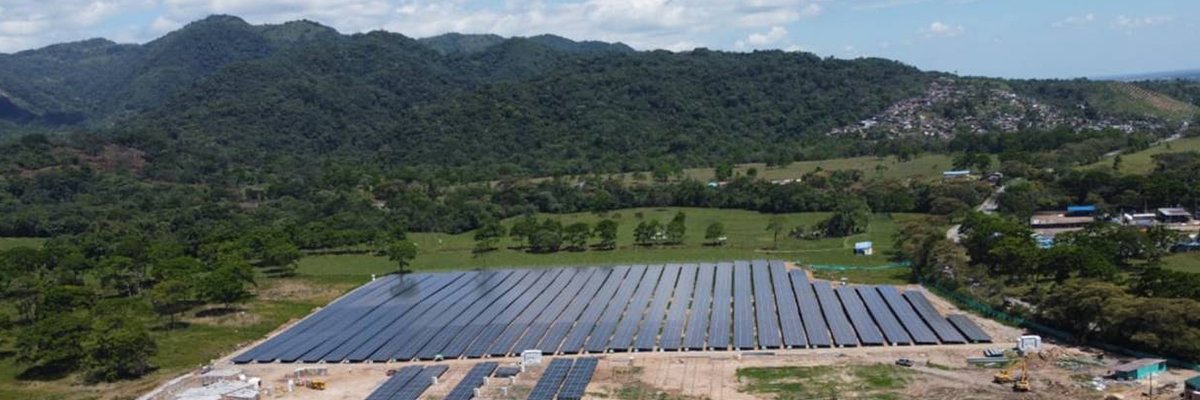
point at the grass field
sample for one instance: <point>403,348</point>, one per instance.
<point>11,242</point>
<point>1183,262</point>
<point>746,231</point>
<point>1142,162</point>
<point>926,166</point>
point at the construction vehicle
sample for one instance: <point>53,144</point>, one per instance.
<point>1005,375</point>
<point>316,385</point>
<point>1021,384</point>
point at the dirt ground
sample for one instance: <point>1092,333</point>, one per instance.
<point>940,372</point>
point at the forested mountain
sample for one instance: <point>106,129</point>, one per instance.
<point>220,97</point>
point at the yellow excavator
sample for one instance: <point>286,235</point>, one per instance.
<point>1021,384</point>
<point>1005,375</point>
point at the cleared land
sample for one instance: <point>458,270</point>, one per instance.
<point>746,232</point>
<point>1142,162</point>
<point>11,242</point>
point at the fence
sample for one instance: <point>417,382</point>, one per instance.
<point>969,303</point>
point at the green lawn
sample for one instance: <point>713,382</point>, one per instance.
<point>927,166</point>
<point>1142,162</point>
<point>746,231</point>
<point>1183,262</point>
<point>11,242</point>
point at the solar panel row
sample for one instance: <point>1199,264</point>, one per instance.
<point>475,378</point>
<point>394,383</point>
<point>743,305</point>
<point>647,332</point>
<point>552,378</point>
<point>414,388</point>
<point>969,329</point>
<point>672,333</point>
<point>765,311</point>
<point>789,314</point>
<point>944,330</point>
<point>577,379</point>
<point>722,307</point>
<point>698,320</point>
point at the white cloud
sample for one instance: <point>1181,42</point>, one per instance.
<point>1075,20</point>
<point>942,29</point>
<point>775,34</point>
<point>31,23</point>
<point>1130,23</point>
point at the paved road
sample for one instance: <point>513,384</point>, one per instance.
<point>988,206</point>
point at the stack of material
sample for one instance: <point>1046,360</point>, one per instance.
<point>223,390</point>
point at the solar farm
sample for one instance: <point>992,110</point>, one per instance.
<point>742,305</point>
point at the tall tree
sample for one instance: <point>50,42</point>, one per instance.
<point>170,298</point>
<point>576,235</point>
<point>402,253</point>
<point>775,226</point>
<point>606,230</point>
<point>715,233</point>
<point>677,228</point>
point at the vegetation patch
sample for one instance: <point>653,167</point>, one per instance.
<point>877,381</point>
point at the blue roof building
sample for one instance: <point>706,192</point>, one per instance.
<point>1080,211</point>
<point>864,248</point>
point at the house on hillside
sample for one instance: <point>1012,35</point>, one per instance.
<point>1139,369</point>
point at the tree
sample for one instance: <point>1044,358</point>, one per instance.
<point>223,286</point>
<point>117,348</point>
<point>646,232</point>
<point>279,255</point>
<point>487,237</point>
<point>55,342</point>
<point>606,230</point>
<point>402,252</point>
<point>576,235</point>
<point>715,233</point>
<point>1116,164</point>
<point>548,237</point>
<point>677,228</point>
<point>1084,307</point>
<point>724,171</point>
<point>775,226</point>
<point>851,217</point>
<point>170,298</point>
<point>523,229</point>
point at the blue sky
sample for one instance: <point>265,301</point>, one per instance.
<point>1009,38</point>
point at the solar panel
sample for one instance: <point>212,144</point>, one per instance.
<point>394,383</point>
<point>475,378</point>
<point>647,332</point>
<point>868,332</point>
<point>414,388</point>
<point>743,310</point>
<point>810,310</point>
<point>789,313</point>
<point>363,347</point>
<point>270,350</point>
<point>598,340</point>
<point>672,333</point>
<point>354,332</point>
<point>537,330</point>
<point>346,315</point>
<point>547,387</point>
<point>425,331</point>
<point>502,320</point>
<point>623,336</point>
<point>764,306</point>
<point>718,326</point>
<point>892,330</point>
<point>839,326</point>
<point>575,384</point>
<point>591,315</point>
<point>589,294</point>
<point>464,338</point>
<point>944,330</point>
<point>921,334</point>
<point>697,326</point>
<point>969,329</point>
<point>503,344</point>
